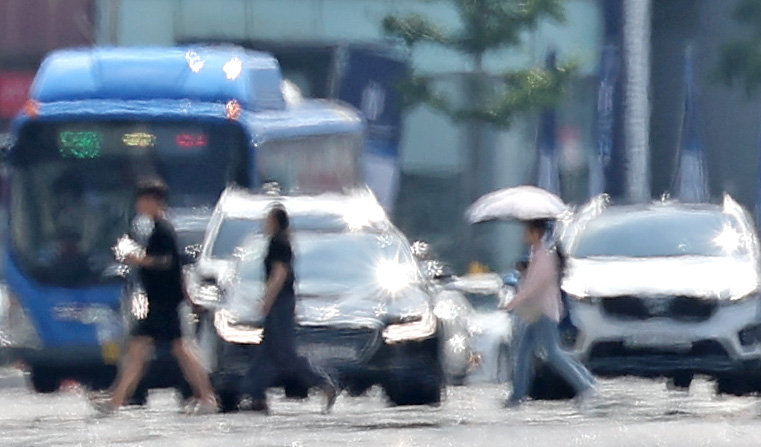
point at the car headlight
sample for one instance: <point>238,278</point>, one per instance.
<point>419,328</point>
<point>233,332</point>
<point>18,330</point>
<point>207,293</point>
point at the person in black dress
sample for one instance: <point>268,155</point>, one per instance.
<point>161,276</point>
<point>278,358</point>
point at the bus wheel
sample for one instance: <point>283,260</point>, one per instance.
<point>44,380</point>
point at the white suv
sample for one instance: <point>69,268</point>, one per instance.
<point>666,289</point>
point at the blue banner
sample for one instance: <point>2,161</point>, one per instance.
<point>610,65</point>
<point>369,81</point>
<point>691,177</point>
<point>548,175</point>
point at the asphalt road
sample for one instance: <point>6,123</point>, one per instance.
<point>629,412</point>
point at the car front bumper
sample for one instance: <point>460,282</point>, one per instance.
<point>728,340</point>
<point>374,362</point>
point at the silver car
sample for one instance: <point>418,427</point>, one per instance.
<point>666,289</point>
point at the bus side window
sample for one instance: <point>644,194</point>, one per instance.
<point>238,168</point>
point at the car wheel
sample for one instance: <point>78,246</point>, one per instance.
<point>503,364</point>
<point>184,389</point>
<point>97,379</point>
<point>44,380</point>
<point>295,390</point>
<point>421,386</point>
<point>737,384</point>
<point>139,397</point>
<point>358,387</point>
<point>228,401</point>
<point>549,386</point>
<point>458,380</point>
<point>681,381</point>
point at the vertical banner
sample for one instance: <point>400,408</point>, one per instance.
<point>369,81</point>
<point>548,174</point>
<point>610,66</point>
<point>692,185</point>
<point>14,89</point>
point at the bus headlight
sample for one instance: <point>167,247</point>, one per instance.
<point>17,330</point>
<point>418,329</point>
<point>233,332</point>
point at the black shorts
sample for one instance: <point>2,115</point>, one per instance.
<point>164,326</point>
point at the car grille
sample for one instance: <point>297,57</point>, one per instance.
<point>681,308</point>
<point>702,348</point>
<point>328,345</point>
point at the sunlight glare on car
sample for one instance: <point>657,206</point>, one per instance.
<point>393,275</point>
<point>728,239</point>
<point>362,213</point>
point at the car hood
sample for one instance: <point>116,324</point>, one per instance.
<point>698,276</point>
<point>355,308</point>
<point>220,270</point>
<point>190,219</point>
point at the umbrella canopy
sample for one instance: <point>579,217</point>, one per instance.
<point>518,203</point>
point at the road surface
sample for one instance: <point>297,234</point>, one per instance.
<point>630,412</point>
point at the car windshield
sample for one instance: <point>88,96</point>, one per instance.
<point>74,183</point>
<point>234,231</point>
<point>664,233</point>
<point>334,263</point>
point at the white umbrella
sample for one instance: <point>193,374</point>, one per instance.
<point>518,203</point>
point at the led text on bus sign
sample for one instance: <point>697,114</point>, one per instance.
<point>139,139</point>
<point>191,140</point>
<point>79,144</point>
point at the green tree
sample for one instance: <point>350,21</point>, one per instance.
<point>485,26</point>
<point>493,99</point>
<point>740,59</point>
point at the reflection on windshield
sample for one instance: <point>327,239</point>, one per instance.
<point>65,219</point>
<point>232,233</point>
<point>74,182</point>
<point>660,234</point>
<point>333,263</point>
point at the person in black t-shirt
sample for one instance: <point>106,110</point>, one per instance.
<point>278,358</point>
<point>161,276</point>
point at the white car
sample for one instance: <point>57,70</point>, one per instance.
<point>366,310</point>
<point>666,289</point>
<point>491,328</point>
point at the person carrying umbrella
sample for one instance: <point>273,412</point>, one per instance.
<point>538,303</point>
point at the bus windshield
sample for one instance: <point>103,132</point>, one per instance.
<point>312,164</point>
<point>73,186</point>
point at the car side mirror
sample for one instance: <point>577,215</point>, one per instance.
<point>512,278</point>
<point>421,250</point>
<point>436,271</point>
<point>190,254</point>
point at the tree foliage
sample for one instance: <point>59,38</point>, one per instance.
<point>485,26</point>
<point>740,59</point>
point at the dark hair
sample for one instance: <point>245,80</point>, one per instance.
<point>539,225</point>
<point>280,215</point>
<point>152,187</point>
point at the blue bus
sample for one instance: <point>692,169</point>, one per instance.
<point>100,119</point>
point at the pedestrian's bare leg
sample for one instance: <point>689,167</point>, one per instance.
<point>193,371</point>
<point>132,370</point>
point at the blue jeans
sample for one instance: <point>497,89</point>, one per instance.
<point>542,337</point>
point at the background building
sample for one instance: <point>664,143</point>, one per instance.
<point>28,30</point>
<point>307,37</point>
